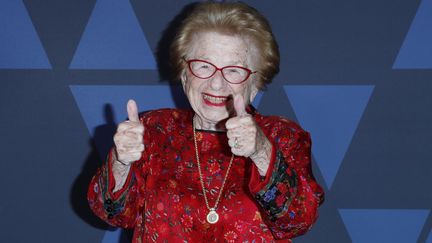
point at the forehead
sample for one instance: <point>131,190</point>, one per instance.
<point>219,48</point>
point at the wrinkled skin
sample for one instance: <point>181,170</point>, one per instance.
<point>129,144</point>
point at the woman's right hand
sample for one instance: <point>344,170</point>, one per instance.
<point>128,139</point>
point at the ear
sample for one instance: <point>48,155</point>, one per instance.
<point>254,92</point>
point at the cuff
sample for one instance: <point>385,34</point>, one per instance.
<point>278,191</point>
<point>111,181</point>
<point>257,181</point>
<point>113,201</point>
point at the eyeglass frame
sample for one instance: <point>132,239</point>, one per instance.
<point>248,71</point>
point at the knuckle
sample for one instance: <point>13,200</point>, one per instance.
<point>116,138</point>
<point>141,128</point>
<point>122,126</point>
<point>136,156</point>
<point>119,143</point>
<point>130,132</point>
<point>231,122</point>
<point>229,134</point>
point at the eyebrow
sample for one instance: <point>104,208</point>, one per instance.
<point>233,64</point>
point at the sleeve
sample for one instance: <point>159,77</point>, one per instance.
<point>120,208</point>
<point>288,195</point>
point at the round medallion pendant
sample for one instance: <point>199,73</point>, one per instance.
<point>212,217</point>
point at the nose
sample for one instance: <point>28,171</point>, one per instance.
<point>217,81</point>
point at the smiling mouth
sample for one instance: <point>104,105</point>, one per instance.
<point>215,100</point>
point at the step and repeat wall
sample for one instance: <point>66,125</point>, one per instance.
<point>356,74</point>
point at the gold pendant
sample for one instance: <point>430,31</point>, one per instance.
<point>212,216</point>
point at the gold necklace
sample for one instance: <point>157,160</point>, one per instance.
<point>212,216</point>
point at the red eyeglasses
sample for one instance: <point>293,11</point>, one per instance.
<point>232,74</point>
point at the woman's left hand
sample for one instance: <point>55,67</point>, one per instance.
<point>246,138</point>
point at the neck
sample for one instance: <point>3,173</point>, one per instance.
<point>203,124</point>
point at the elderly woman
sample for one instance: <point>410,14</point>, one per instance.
<point>221,171</point>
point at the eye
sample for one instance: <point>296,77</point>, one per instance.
<point>204,66</point>
<point>198,65</point>
<point>232,70</point>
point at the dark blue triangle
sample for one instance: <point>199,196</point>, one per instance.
<point>104,106</point>
<point>113,39</point>
<point>383,225</point>
<point>331,114</point>
<point>416,50</point>
<point>20,47</point>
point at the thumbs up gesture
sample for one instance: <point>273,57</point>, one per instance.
<point>246,138</point>
<point>129,137</point>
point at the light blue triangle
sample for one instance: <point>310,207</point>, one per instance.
<point>256,102</point>
<point>416,50</point>
<point>20,47</point>
<point>113,39</point>
<point>384,225</point>
<point>331,114</point>
<point>104,106</point>
<point>112,236</point>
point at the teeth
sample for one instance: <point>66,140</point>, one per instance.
<point>214,99</point>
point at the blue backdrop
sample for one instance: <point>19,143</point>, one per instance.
<point>357,74</point>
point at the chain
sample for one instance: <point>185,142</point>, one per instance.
<point>201,177</point>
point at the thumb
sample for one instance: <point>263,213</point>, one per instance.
<point>132,111</point>
<point>239,105</point>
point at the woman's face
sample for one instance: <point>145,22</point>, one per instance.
<point>211,98</point>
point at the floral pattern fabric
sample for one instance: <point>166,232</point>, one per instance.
<point>162,198</point>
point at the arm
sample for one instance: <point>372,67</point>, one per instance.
<point>114,193</point>
<point>118,208</point>
<point>288,194</point>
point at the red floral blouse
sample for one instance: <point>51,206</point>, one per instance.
<point>162,198</point>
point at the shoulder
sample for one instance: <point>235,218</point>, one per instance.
<point>278,123</point>
<point>285,133</point>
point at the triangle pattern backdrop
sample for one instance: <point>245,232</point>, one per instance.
<point>20,46</point>
<point>384,225</point>
<point>113,39</point>
<point>416,50</point>
<point>331,113</point>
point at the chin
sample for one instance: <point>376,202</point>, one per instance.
<point>216,118</point>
